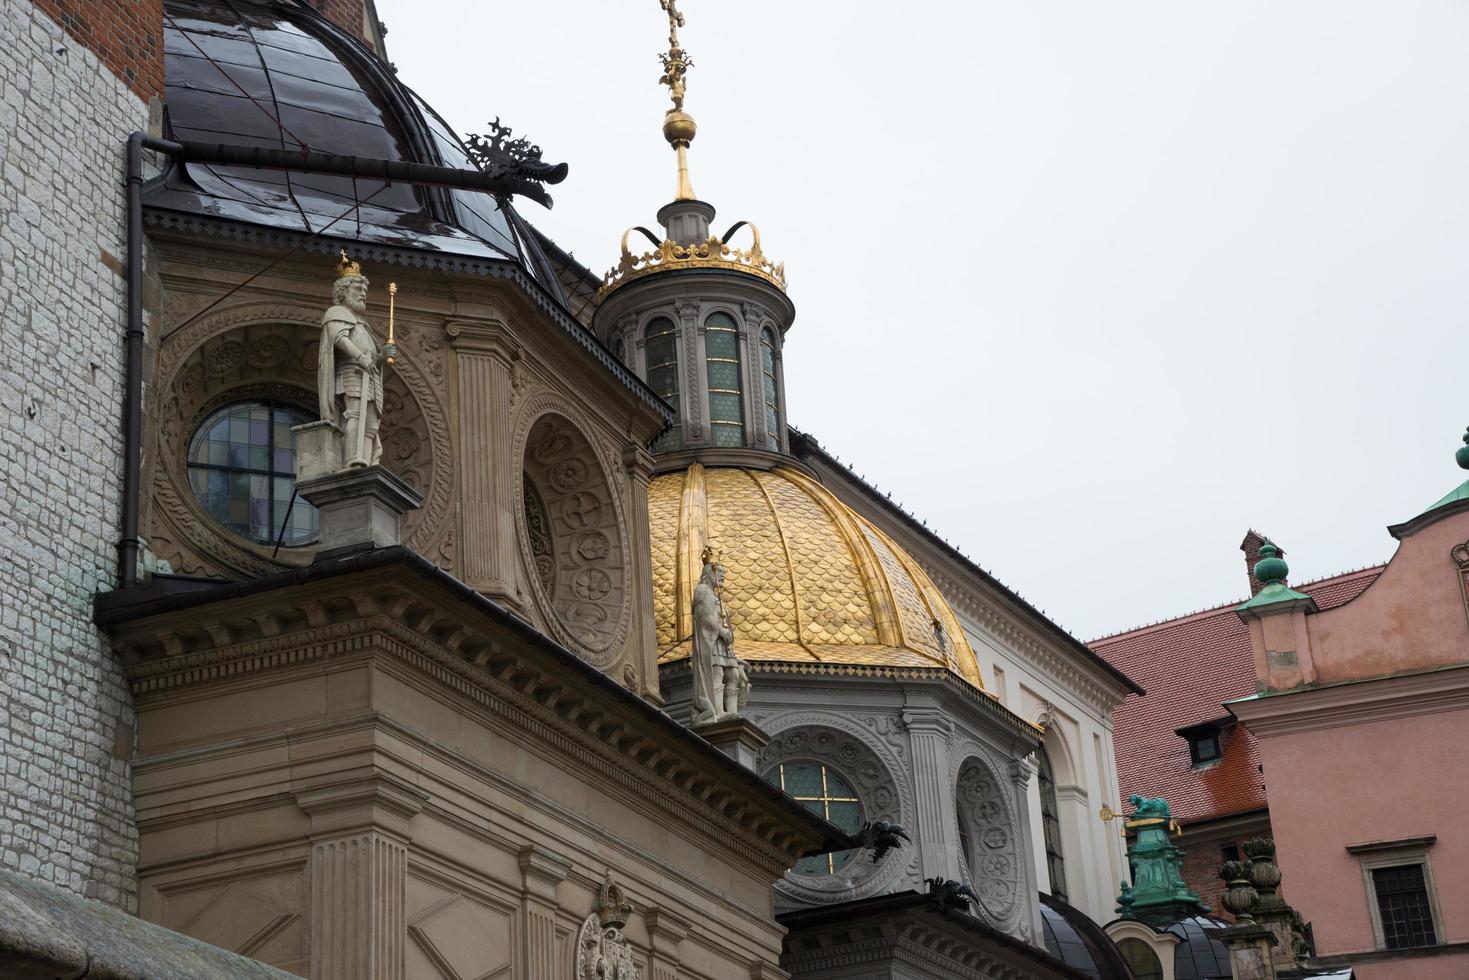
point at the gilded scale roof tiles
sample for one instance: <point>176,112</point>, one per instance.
<point>806,578</point>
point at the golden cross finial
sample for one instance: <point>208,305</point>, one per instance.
<point>678,126</point>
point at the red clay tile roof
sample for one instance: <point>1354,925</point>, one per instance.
<point>1189,666</point>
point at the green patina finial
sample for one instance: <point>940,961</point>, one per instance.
<point>1158,887</point>
<point>1462,456</point>
<point>1271,569</point>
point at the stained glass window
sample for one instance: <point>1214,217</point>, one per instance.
<point>823,791</point>
<point>660,347</point>
<point>242,468</point>
<point>726,398</point>
<point>1402,903</point>
<point>767,370</point>
<point>1141,959</point>
<point>1051,825</point>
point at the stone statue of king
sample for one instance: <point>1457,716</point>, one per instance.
<point>721,679</point>
<point>349,368</point>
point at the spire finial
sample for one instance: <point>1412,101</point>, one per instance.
<point>1462,456</point>
<point>678,126</point>
<point>1271,569</point>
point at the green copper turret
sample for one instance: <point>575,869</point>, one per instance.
<point>1158,889</point>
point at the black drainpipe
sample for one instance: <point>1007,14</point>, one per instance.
<point>132,412</point>
<point>240,156</point>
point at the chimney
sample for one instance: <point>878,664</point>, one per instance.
<point>1251,547</point>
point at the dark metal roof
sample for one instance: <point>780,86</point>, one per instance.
<point>278,75</point>
<point>1200,956</point>
<point>1079,942</point>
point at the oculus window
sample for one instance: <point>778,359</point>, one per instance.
<point>726,395</point>
<point>242,469</point>
<point>660,347</point>
<point>822,790</point>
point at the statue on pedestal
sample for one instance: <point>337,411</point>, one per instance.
<point>721,679</point>
<point>349,368</point>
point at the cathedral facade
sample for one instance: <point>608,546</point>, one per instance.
<point>444,716</point>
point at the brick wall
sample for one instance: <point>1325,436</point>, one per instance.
<point>352,16</point>
<point>66,718</point>
<point>125,34</point>
<point>1204,854</point>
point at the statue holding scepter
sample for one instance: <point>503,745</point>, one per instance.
<point>721,679</point>
<point>349,368</point>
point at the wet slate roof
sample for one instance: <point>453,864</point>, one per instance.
<point>251,73</point>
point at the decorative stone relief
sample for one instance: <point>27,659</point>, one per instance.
<point>602,951</point>
<point>268,352</point>
<point>872,768</point>
<point>988,826</point>
<point>572,532</point>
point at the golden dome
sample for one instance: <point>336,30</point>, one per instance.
<point>807,580</point>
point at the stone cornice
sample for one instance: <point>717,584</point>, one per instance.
<point>412,620</point>
<point>1354,702</point>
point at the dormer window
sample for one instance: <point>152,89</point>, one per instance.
<point>1205,741</point>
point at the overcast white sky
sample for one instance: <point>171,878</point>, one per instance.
<point>1090,287</point>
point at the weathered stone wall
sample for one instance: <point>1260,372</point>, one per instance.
<point>66,721</point>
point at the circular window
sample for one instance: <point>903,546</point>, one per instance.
<point>821,789</point>
<point>242,469</point>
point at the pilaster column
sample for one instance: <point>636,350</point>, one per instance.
<point>643,644</point>
<point>666,931</point>
<point>1022,768</point>
<point>930,733</point>
<point>358,874</point>
<point>541,871</point>
<point>695,388</point>
<point>486,355</point>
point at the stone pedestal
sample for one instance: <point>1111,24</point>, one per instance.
<point>360,507</point>
<point>1250,956</point>
<point>738,738</point>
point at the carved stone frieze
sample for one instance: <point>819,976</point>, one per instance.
<point>602,951</point>
<point>872,768</point>
<point>572,530</point>
<point>989,829</point>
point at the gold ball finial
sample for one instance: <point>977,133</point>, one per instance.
<point>346,267</point>
<point>679,128</point>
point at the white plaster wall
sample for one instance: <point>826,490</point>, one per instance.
<point>66,719</point>
<point>1086,773</point>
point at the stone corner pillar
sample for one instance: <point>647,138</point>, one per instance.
<point>358,874</point>
<point>487,358</point>
<point>541,870</point>
<point>1251,955</point>
<point>738,737</point>
<point>666,931</point>
<point>643,643</point>
<point>930,733</point>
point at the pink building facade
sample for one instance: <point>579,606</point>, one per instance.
<point>1361,716</point>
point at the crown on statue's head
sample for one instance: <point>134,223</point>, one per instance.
<point>710,555</point>
<point>347,267</point>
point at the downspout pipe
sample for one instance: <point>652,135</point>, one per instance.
<point>132,413</point>
<point>224,154</point>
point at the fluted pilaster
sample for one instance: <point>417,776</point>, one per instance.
<point>930,733</point>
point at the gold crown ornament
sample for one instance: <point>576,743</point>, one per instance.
<point>347,267</point>
<point>710,555</point>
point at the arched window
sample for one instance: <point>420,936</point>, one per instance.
<point>1141,959</point>
<point>821,789</point>
<point>1051,825</point>
<point>726,398</point>
<point>660,347</point>
<point>242,468</point>
<point>767,370</point>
